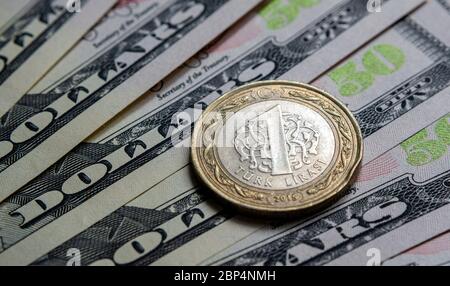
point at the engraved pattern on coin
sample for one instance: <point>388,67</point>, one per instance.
<point>278,145</point>
<point>279,137</point>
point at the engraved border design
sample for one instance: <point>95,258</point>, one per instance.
<point>333,181</point>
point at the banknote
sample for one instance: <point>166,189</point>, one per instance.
<point>151,228</point>
<point>146,126</point>
<point>435,252</point>
<point>247,228</point>
<point>35,39</point>
<point>118,22</point>
<point>42,127</point>
<point>149,223</point>
<point>383,213</point>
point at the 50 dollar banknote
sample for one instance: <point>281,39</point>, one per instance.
<point>420,150</point>
<point>175,221</point>
<point>185,214</point>
<point>384,210</point>
<point>145,146</point>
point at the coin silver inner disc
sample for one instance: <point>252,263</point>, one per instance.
<point>275,145</point>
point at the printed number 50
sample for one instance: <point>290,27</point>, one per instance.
<point>379,60</point>
<point>421,150</point>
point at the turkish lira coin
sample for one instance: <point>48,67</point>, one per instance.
<point>277,147</point>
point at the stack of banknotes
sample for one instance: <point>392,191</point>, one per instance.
<point>98,99</point>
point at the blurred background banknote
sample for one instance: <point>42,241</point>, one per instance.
<point>127,194</point>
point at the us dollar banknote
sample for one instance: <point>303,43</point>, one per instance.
<point>154,127</point>
<point>43,127</point>
<point>164,229</point>
<point>383,213</point>
<point>28,37</point>
<point>117,23</point>
<point>354,90</point>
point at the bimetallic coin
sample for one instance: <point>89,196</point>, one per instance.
<point>276,147</point>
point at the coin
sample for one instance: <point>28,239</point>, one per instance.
<point>276,147</point>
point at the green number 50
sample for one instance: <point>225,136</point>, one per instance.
<point>380,60</point>
<point>421,150</point>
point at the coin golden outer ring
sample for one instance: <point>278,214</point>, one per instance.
<point>315,194</point>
